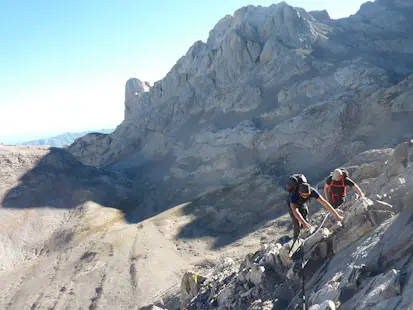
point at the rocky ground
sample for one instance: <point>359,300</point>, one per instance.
<point>365,263</point>
<point>87,254</point>
<point>69,239</point>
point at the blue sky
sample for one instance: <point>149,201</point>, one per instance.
<point>64,64</point>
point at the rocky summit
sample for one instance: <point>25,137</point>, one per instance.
<point>275,89</point>
<point>183,205</point>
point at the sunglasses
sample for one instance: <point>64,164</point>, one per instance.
<point>304,195</point>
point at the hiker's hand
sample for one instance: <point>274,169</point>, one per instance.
<point>339,218</point>
<point>307,226</point>
<point>360,197</point>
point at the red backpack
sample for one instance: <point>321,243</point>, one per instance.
<point>340,183</point>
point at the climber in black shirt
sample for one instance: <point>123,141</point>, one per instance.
<point>299,209</point>
<point>335,187</point>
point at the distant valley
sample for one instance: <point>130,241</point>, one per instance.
<point>64,139</point>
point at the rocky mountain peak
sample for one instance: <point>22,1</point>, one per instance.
<point>271,84</point>
<point>258,24</point>
<point>321,16</point>
<point>395,3</point>
<point>134,89</point>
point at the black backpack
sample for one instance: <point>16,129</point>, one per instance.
<point>298,178</point>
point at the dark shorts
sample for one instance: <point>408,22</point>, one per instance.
<point>338,200</point>
<point>296,226</point>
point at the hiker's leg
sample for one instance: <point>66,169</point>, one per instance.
<point>304,212</point>
<point>330,198</point>
<point>296,226</point>
<point>338,202</point>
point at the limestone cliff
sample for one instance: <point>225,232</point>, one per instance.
<point>272,87</point>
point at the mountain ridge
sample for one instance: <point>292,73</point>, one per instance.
<point>272,86</point>
<point>64,139</point>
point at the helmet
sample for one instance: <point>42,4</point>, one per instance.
<point>337,174</point>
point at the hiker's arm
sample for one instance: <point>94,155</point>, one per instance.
<point>297,214</point>
<point>358,190</point>
<point>352,184</point>
<point>328,206</point>
<point>326,188</point>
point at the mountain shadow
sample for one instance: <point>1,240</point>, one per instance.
<point>59,180</point>
<point>232,213</point>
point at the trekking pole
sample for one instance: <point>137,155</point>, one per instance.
<point>303,283</point>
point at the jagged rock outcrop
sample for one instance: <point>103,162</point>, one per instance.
<point>272,86</point>
<point>134,93</point>
<point>363,264</point>
<point>322,16</point>
<point>190,285</point>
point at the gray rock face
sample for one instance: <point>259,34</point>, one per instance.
<point>134,90</point>
<point>364,264</point>
<point>321,16</point>
<point>272,86</point>
<point>190,286</point>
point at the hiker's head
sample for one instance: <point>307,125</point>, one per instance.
<point>304,189</point>
<point>337,175</point>
<point>291,184</point>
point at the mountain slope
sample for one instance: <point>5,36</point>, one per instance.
<point>66,242</point>
<point>73,236</point>
<point>271,91</point>
<point>364,264</point>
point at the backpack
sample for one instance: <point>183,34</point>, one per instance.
<point>342,184</point>
<point>298,178</point>
<point>345,172</point>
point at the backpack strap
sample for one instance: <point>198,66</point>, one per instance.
<point>345,172</point>
<point>341,184</point>
<point>299,178</point>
